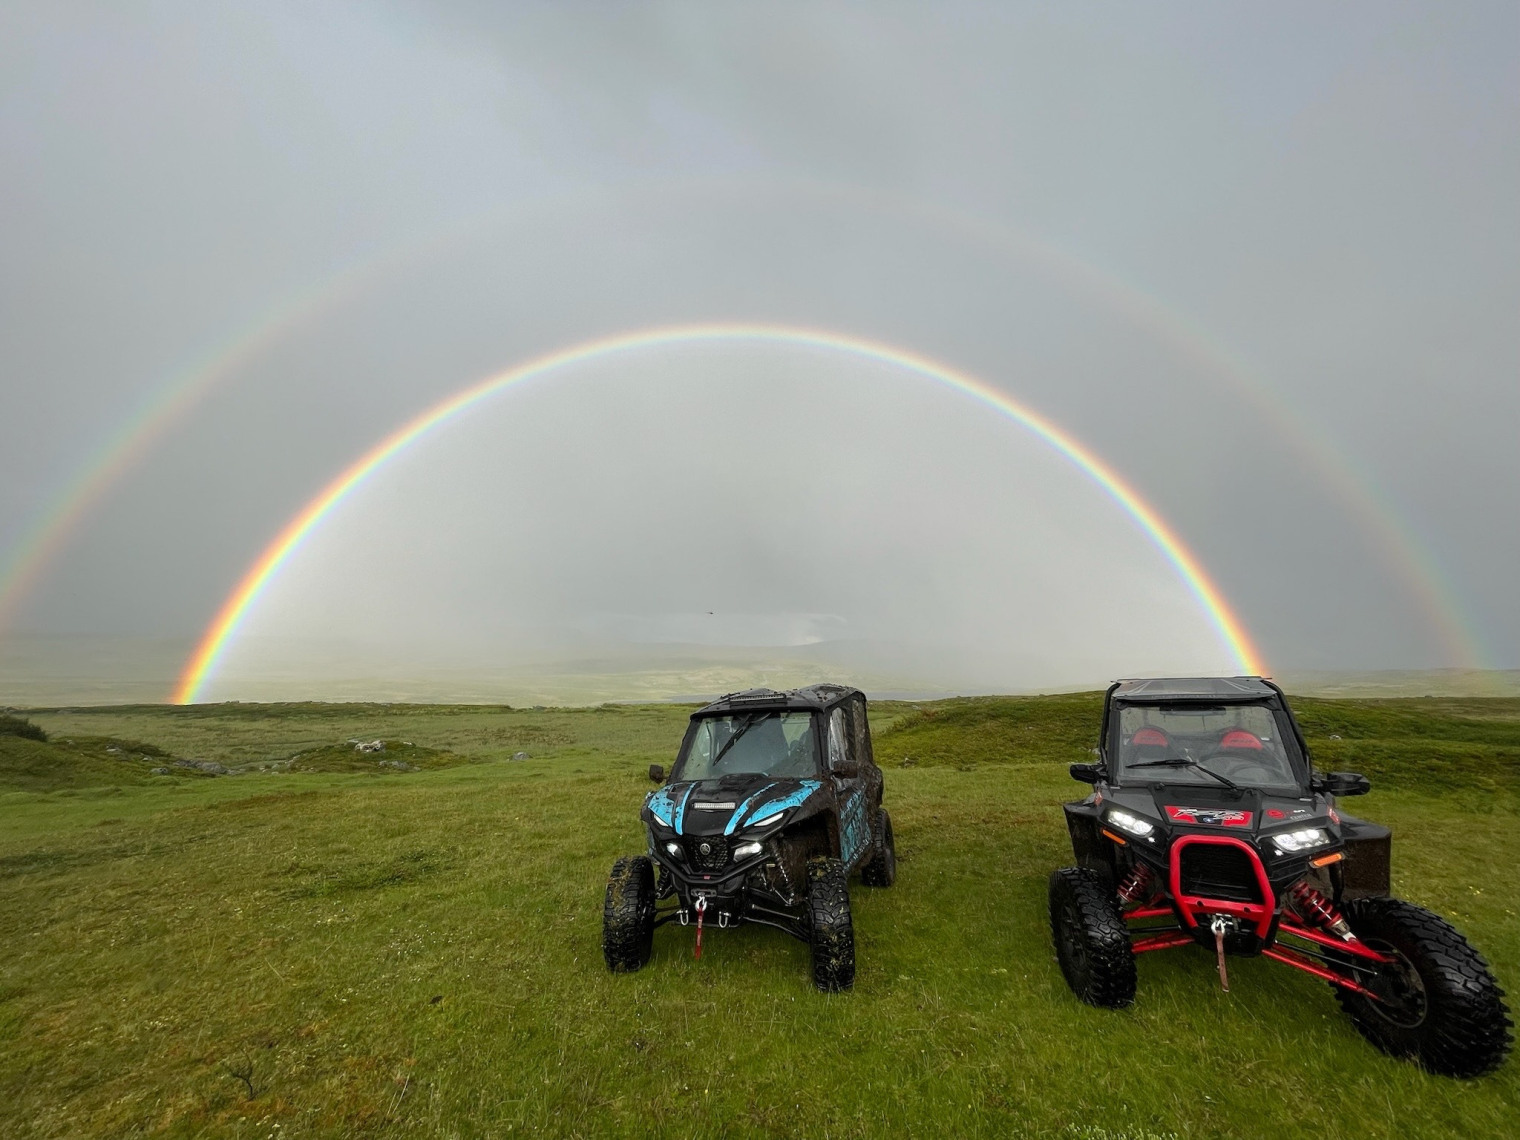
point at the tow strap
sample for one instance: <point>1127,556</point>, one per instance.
<point>701,906</point>
<point>1217,926</point>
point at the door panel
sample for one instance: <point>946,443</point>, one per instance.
<point>850,794</point>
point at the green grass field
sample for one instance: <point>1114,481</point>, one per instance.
<point>319,946</point>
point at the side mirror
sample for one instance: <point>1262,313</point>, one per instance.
<point>1344,784</point>
<point>1087,773</point>
<point>657,773</point>
<point>846,769</point>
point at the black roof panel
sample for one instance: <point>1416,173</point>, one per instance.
<point>1194,688</point>
<point>812,697</point>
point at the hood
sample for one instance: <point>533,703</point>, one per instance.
<point>1247,814</point>
<point>728,804</point>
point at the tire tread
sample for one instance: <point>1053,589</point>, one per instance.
<point>1467,1030</point>
<point>831,933</point>
<point>1110,980</point>
<point>881,871</point>
<point>628,914</point>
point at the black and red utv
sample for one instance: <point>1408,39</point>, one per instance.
<point>1208,826</point>
<point>773,803</point>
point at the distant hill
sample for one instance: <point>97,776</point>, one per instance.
<point>1406,683</point>
<point>50,671</point>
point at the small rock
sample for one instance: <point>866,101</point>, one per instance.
<point>210,767</point>
<point>370,746</point>
<point>1334,737</point>
<point>519,756</point>
<point>160,771</point>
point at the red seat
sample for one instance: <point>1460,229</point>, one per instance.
<point>1238,739</point>
<point>1152,738</point>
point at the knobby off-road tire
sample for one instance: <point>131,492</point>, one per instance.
<point>1443,1009</point>
<point>831,935</point>
<point>1092,942</point>
<point>881,871</point>
<point>628,914</point>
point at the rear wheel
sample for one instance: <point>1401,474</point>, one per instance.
<point>881,871</point>
<point>1092,942</point>
<point>831,935</point>
<point>1438,1002</point>
<point>628,914</point>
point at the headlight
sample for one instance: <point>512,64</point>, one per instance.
<point>768,820</point>
<point>1308,839</point>
<point>674,849</point>
<point>1130,823</point>
<point>745,850</point>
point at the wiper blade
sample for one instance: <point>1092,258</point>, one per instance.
<point>1183,762</point>
<point>753,720</point>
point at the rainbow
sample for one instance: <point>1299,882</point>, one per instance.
<point>45,539</point>
<point>224,627</point>
<point>1404,554</point>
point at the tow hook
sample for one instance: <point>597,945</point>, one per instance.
<point>1219,926</point>
<point>701,907</point>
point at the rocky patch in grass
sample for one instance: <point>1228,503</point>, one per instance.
<point>381,757</point>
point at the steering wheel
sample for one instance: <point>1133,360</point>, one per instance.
<point>1243,767</point>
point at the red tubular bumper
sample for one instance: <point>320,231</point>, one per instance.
<point>1258,914</point>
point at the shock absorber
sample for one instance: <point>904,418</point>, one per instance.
<point>1317,910</point>
<point>1137,885</point>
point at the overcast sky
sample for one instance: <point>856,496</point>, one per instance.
<point>1264,260</point>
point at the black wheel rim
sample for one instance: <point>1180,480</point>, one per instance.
<point>1399,989</point>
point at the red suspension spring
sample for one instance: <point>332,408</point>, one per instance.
<point>1137,885</point>
<point>1317,910</point>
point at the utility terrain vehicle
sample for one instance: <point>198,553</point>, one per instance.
<point>1208,826</point>
<point>773,802</point>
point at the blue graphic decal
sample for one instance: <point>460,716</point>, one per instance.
<point>681,807</point>
<point>853,832</point>
<point>805,788</point>
<point>733,820</point>
<point>668,804</point>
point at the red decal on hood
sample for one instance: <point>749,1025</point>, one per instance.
<point>1209,817</point>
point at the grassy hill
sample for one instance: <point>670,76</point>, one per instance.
<point>371,950</point>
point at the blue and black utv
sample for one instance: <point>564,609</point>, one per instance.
<point>773,802</point>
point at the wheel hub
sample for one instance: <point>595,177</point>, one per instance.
<point>1399,989</point>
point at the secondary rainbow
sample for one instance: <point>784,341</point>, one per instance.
<point>201,666</point>
<point>1402,553</point>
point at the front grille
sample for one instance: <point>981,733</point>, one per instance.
<point>1216,871</point>
<point>715,858</point>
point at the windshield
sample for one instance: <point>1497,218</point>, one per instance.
<point>761,743</point>
<point>1246,744</point>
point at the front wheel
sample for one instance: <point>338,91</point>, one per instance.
<point>831,934</point>
<point>628,914</point>
<point>881,871</point>
<point>1092,942</point>
<point>1437,1003</point>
